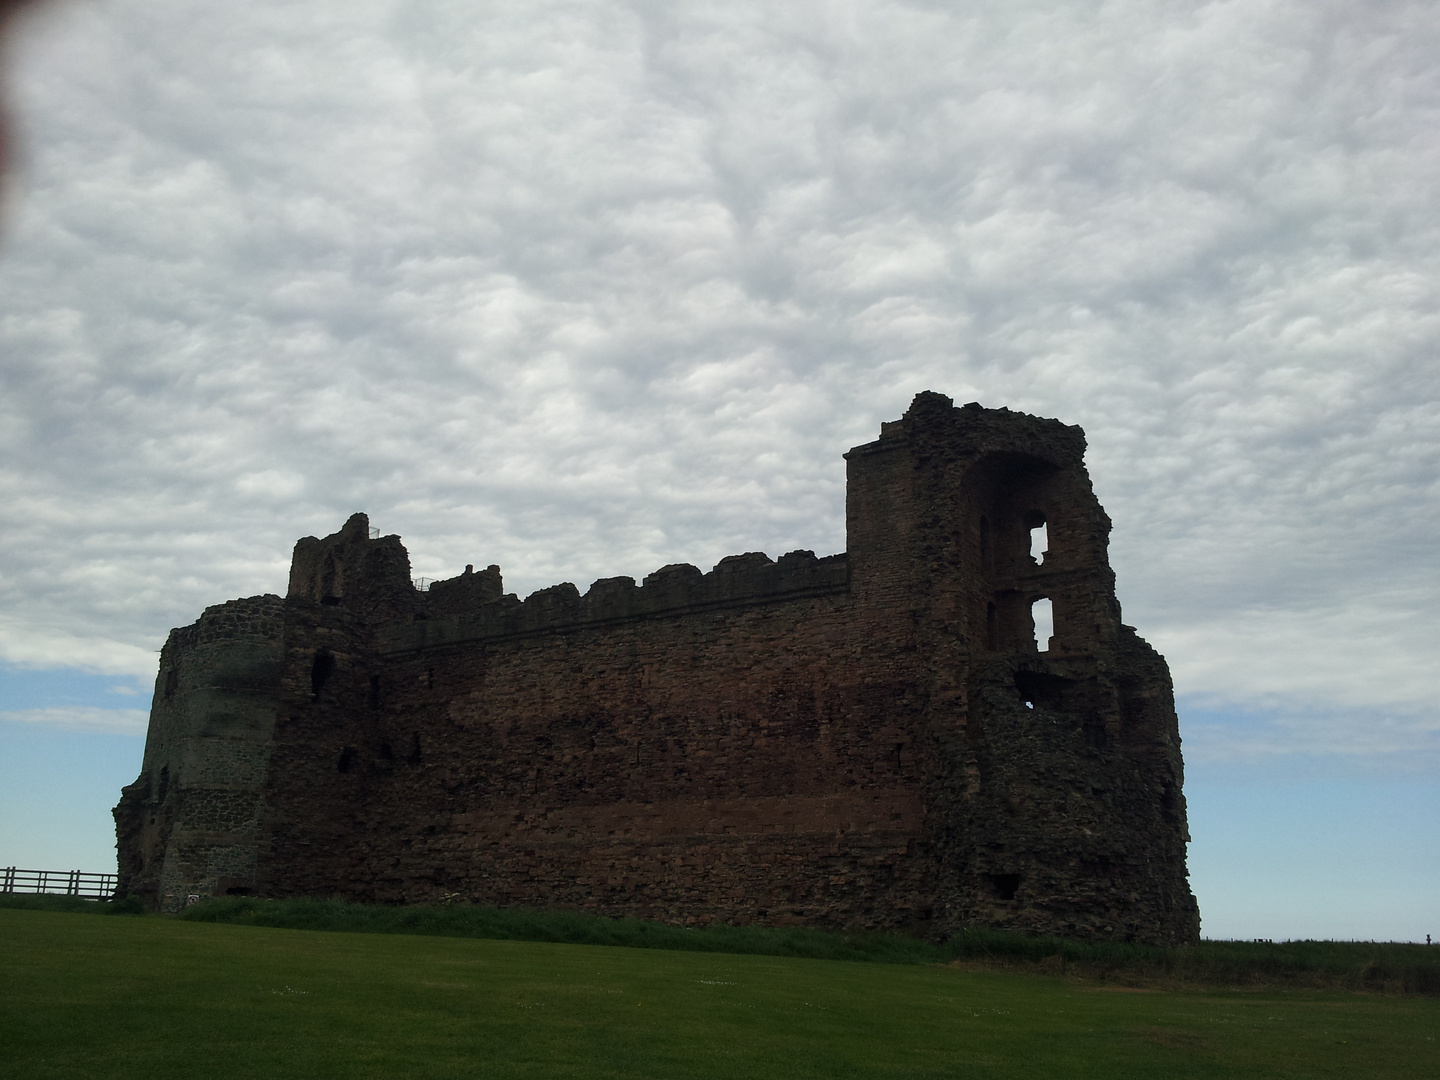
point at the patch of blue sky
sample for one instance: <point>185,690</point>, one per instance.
<point>1305,825</point>
<point>52,688</point>
<point>69,740</point>
<point>57,786</point>
<point>1342,858</point>
<point>1260,744</point>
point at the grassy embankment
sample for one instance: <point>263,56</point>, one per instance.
<point>155,998</point>
<point>1389,967</point>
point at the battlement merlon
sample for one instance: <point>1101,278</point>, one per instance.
<point>370,578</point>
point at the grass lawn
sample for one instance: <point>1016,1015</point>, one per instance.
<point>158,998</point>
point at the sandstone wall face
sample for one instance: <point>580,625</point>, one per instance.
<point>872,739</point>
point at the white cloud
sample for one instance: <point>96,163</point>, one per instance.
<point>584,287</point>
<point>83,718</point>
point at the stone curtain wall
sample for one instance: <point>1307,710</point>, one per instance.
<point>729,765</point>
<point>872,739</point>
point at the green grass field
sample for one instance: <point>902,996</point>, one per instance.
<point>159,998</point>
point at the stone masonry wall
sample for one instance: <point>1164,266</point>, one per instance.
<point>190,824</point>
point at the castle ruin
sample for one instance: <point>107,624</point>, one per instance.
<point>874,739</point>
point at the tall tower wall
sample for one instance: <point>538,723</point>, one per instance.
<point>190,825</point>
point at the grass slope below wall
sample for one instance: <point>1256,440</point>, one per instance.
<point>147,998</point>
<point>1373,966</point>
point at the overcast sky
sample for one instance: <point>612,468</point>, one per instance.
<point>583,288</point>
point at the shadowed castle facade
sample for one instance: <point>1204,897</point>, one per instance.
<point>871,739</point>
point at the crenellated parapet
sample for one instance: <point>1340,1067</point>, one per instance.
<point>674,590</point>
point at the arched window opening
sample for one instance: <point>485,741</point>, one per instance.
<point>1043,617</point>
<point>1039,537</point>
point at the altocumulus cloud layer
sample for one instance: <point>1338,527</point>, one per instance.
<point>587,287</point>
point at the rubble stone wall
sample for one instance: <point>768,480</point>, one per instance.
<point>192,820</point>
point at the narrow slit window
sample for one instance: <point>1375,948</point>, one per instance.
<point>1044,618</point>
<point>1039,542</point>
<point>320,671</point>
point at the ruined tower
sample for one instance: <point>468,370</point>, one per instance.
<point>871,739</point>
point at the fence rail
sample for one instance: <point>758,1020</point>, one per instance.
<point>65,882</point>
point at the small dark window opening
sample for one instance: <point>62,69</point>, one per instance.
<point>347,759</point>
<point>320,672</point>
<point>331,601</point>
<point>899,759</point>
<point>1093,728</point>
<point>413,757</point>
<point>172,682</point>
<point>1135,716</point>
<point>1168,801</point>
<point>1045,690</point>
<point>374,691</point>
<point>164,784</point>
<point>430,677</point>
<point>387,753</point>
<point>239,890</point>
<point>1005,886</point>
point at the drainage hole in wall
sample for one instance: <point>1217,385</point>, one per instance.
<point>1005,886</point>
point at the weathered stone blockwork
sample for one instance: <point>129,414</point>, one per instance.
<point>872,739</point>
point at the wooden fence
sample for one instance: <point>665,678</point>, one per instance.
<point>66,882</point>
